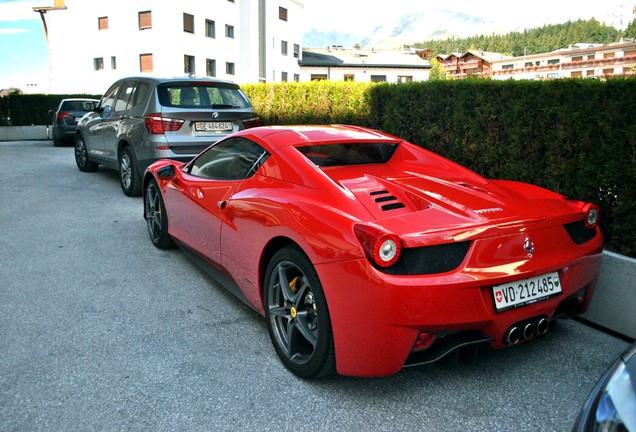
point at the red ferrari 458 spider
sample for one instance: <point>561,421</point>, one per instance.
<point>366,253</point>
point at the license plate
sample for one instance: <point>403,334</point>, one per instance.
<point>520,293</point>
<point>213,126</point>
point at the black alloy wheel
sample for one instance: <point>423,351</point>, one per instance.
<point>156,217</point>
<point>297,315</point>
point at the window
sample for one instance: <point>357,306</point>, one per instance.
<point>378,78</point>
<point>296,51</point>
<point>283,76</point>
<point>139,96</point>
<point>349,77</point>
<point>232,159</point>
<point>553,61</point>
<point>591,57</point>
<point>210,67</point>
<point>145,62</point>
<point>348,154</point>
<point>577,58</point>
<point>296,77</point>
<point>507,66</point>
<point>113,62</point>
<point>197,93</point>
<point>282,13</point>
<point>210,30</point>
<point>318,77</point>
<point>576,74</point>
<point>188,64</point>
<point>229,68</point>
<point>124,96</point>
<point>589,73</point>
<point>609,55</point>
<point>528,64</point>
<point>283,47</point>
<point>98,63</point>
<point>145,20</point>
<point>102,23</point>
<point>229,31</point>
<point>608,71</point>
<point>405,79</point>
<point>109,97</point>
<point>188,23</point>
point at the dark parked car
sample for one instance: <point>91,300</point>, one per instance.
<point>141,119</point>
<point>66,116</point>
<point>611,405</point>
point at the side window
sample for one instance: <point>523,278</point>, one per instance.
<point>108,101</point>
<point>139,95</point>
<point>124,96</point>
<point>230,159</point>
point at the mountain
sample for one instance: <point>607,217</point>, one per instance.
<point>431,24</point>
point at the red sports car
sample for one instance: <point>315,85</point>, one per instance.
<point>366,253</point>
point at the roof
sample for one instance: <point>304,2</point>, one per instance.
<point>336,56</point>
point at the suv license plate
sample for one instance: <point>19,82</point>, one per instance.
<point>213,126</point>
<point>522,292</point>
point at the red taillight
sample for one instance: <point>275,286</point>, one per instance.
<point>157,124</point>
<point>252,122</point>
<point>62,115</point>
<point>381,247</point>
<point>592,213</point>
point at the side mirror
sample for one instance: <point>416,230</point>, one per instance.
<point>88,106</point>
<point>167,173</point>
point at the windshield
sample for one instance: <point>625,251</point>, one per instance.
<point>201,95</point>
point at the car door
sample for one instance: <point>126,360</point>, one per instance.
<point>112,123</point>
<point>94,129</point>
<point>197,199</point>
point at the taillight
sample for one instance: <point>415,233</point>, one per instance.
<point>591,216</point>
<point>62,115</point>
<point>381,247</point>
<point>157,124</point>
<point>252,122</point>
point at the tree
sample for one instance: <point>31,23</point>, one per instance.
<point>437,71</point>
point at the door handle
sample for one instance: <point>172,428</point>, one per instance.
<point>222,204</point>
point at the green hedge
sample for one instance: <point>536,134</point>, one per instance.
<point>31,109</point>
<point>575,136</point>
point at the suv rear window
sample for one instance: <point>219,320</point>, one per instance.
<point>201,95</point>
<point>348,154</point>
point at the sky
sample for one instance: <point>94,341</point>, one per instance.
<point>23,50</point>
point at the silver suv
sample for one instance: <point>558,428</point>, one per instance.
<point>142,119</point>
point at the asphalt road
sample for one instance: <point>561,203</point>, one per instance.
<point>99,330</point>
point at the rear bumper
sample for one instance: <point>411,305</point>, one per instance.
<point>377,318</point>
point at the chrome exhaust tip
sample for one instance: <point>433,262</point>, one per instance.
<point>542,326</point>
<point>528,330</point>
<point>513,335</point>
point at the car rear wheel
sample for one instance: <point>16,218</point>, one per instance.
<point>128,175</point>
<point>81,156</point>
<point>297,315</point>
<point>156,217</point>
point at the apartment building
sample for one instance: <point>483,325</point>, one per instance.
<point>577,61</point>
<point>336,63</point>
<point>94,42</point>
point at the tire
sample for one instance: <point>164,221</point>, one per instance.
<point>129,177</point>
<point>81,156</point>
<point>297,316</point>
<point>156,217</point>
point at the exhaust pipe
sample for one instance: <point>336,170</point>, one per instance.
<point>542,326</point>
<point>528,330</point>
<point>513,335</point>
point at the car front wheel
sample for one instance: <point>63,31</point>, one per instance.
<point>81,156</point>
<point>156,217</point>
<point>297,316</point>
<point>128,175</point>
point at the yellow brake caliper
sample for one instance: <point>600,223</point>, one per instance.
<point>294,289</point>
